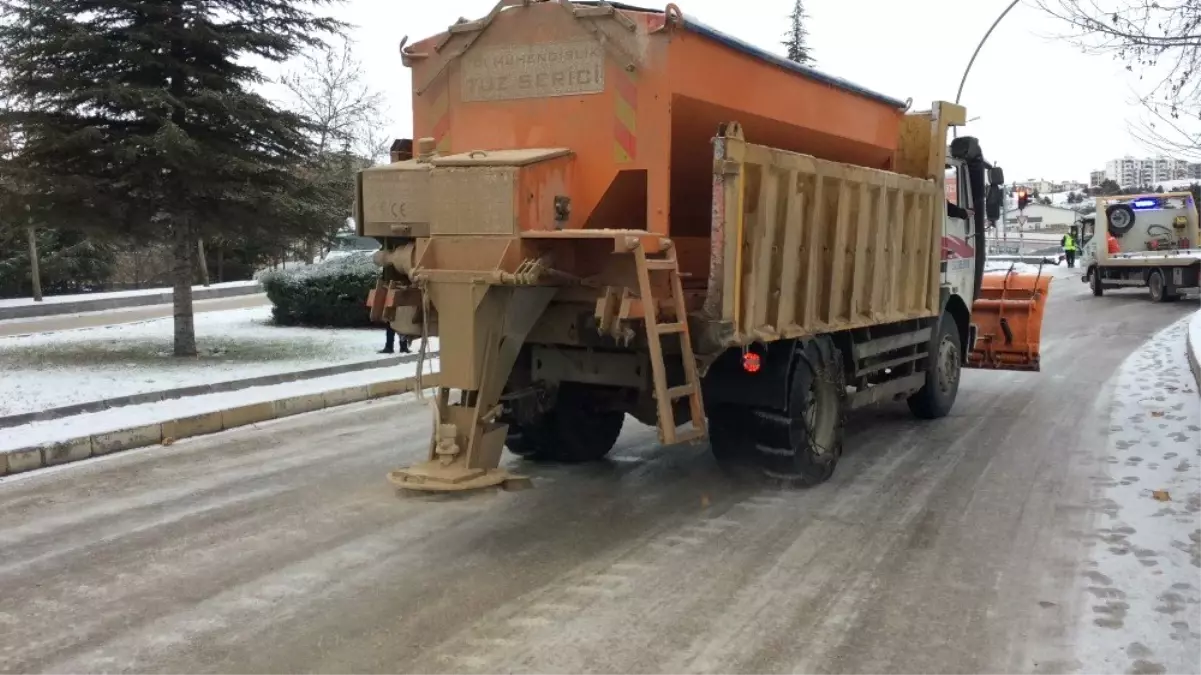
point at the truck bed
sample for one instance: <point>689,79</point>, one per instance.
<point>1181,257</point>
<point>805,246</point>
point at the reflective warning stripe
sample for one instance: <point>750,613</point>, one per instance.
<point>440,113</point>
<point>625,126</point>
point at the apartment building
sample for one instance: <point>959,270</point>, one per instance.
<point>1135,172</point>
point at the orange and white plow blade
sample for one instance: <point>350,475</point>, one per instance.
<point>1009,320</point>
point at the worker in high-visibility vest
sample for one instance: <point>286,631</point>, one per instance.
<point>1069,249</point>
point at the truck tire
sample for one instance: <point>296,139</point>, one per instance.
<point>1094,282</point>
<point>804,445</point>
<point>1157,286</point>
<point>572,432</point>
<point>945,365</point>
<point>1120,217</point>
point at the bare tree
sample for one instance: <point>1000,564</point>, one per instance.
<point>349,125</point>
<point>1159,40</point>
<point>329,89</point>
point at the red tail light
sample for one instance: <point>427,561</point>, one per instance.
<point>751,362</point>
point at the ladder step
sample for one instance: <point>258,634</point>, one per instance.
<point>690,436</point>
<point>681,391</point>
<point>660,264</point>
<point>668,328</point>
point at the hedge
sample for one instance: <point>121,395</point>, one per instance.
<point>331,294</point>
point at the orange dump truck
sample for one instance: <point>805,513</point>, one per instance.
<point>618,211</point>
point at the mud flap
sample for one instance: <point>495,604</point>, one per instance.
<point>1008,317</point>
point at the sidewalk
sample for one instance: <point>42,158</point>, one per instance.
<point>1142,584</point>
<point>24,308</point>
<point>112,317</point>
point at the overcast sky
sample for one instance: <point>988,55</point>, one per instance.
<point>1046,110</point>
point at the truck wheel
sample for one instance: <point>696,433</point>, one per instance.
<point>576,430</point>
<point>1157,287</point>
<point>1094,282</point>
<point>945,364</point>
<point>804,445</point>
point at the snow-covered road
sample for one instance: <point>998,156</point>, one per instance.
<point>969,544</point>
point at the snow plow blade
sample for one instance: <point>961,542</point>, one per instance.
<point>1008,317</point>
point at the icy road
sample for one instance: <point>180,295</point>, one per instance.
<point>1018,535</point>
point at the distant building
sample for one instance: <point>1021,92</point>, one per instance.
<point>1036,185</point>
<point>1069,186</point>
<point>1042,216</point>
<point>1095,178</point>
<point>1136,172</point>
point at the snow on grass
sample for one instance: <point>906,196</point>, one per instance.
<point>116,419</point>
<point>50,370</point>
<point>1144,585</point>
<point>80,297</point>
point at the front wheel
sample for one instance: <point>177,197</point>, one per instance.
<point>1094,281</point>
<point>944,366</point>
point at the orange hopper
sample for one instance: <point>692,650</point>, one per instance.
<point>637,95</point>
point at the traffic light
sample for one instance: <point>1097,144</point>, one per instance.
<point>1023,199</point>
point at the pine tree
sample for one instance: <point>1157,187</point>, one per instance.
<point>796,39</point>
<point>138,117</point>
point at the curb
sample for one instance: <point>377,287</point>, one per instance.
<point>55,308</point>
<point>32,458</point>
<point>202,389</point>
<point>1194,359</point>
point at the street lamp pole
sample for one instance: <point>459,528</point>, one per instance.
<point>963,80</point>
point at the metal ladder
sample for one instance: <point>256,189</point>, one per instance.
<point>665,397</point>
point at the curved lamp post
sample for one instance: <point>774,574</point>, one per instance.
<point>984,39</point>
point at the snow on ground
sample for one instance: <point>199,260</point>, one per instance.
<point>1001,264</point>
<point>1019,267</point>
<point>78,426</point>
<point>1144,580</point>
<point>50,370</point>
<point>80,297</point>
<point>1061,199</point>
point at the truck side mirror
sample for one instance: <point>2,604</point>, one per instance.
<point>996,176</point>
<point>993,203</point>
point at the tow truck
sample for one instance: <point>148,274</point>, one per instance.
<point>1157,235</point>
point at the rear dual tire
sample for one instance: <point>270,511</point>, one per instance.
<point>574,431</point>
<point>1157,287</point>
<point>801,445</point>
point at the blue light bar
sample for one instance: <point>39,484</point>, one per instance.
<point>1145,203</point>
